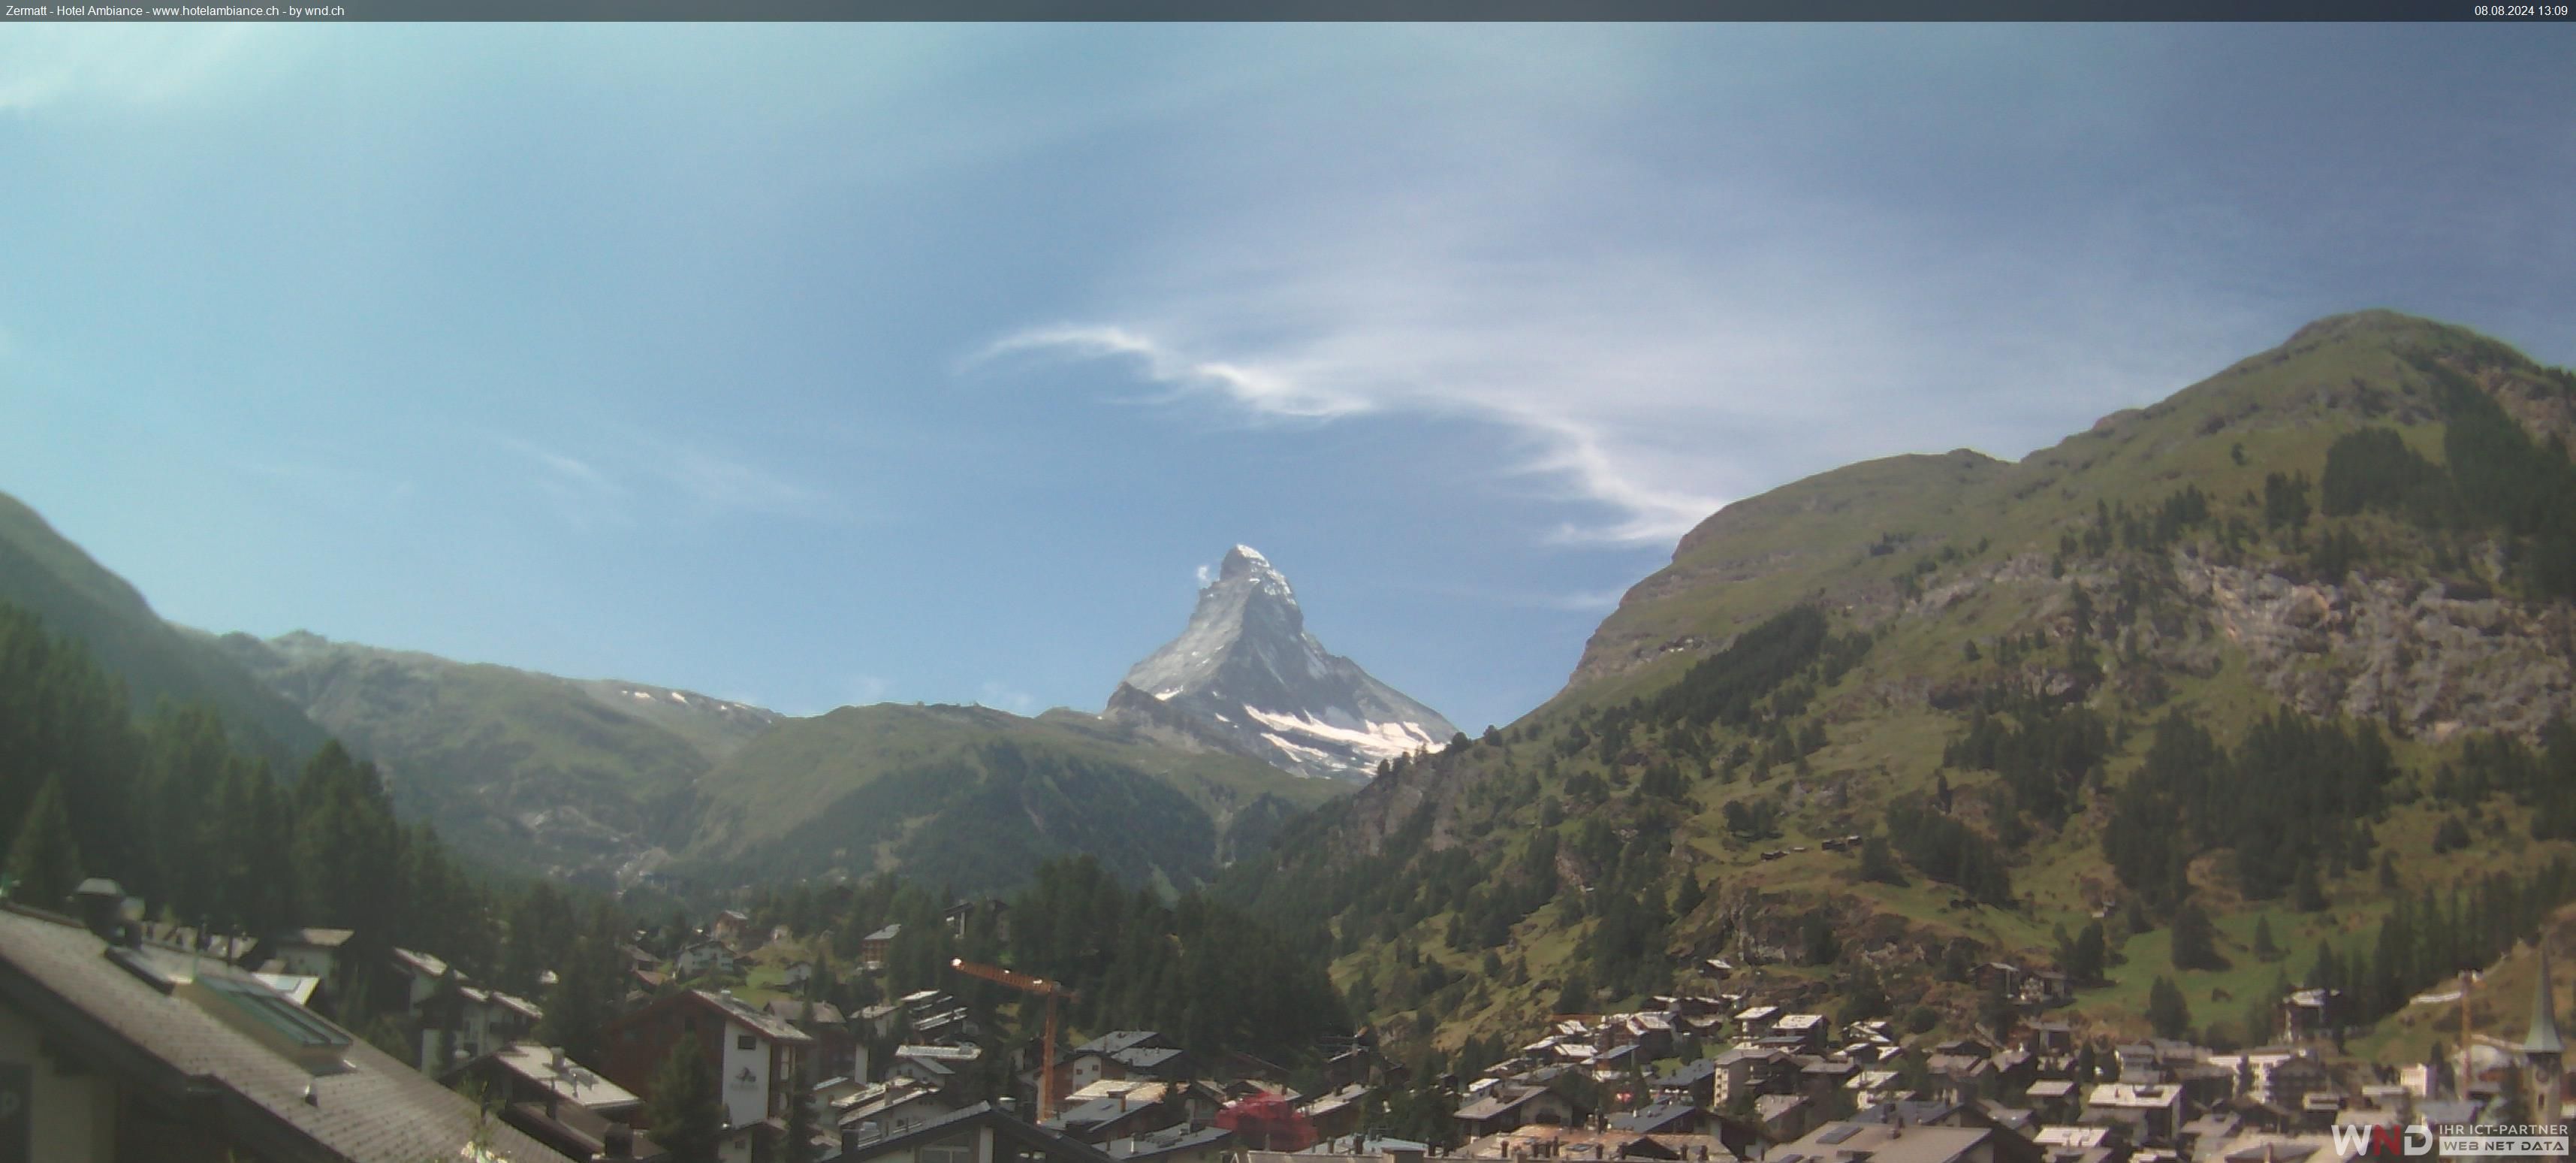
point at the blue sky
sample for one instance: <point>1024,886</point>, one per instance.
<point>825,365</point>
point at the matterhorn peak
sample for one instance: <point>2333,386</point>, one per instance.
<point>1246,677</point>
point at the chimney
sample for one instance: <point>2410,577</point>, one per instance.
<point>618,1142</point>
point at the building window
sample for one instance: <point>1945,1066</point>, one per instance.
<point>960,1149</point>
<point>745,1042</point>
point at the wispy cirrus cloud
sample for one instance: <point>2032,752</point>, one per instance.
<point>1659,314</point>
<point>607,486</point>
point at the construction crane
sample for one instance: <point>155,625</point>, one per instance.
<point>1038,986</point>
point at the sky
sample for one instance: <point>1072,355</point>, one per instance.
<point>823,365</point>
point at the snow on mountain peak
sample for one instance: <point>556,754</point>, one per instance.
<point>1246,651</point>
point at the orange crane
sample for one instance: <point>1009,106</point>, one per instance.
<point>1042,988</point>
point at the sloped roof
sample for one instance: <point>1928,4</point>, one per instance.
<point>60,977</point>
<point>981,1114</point>
<point>2543,1038</point>
<point>1655,1117</point>
<point>571,1080</point>
<point>760,1023</point>
<point>1117,1040</point>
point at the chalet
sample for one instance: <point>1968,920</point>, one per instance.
<point>555,1101</point>
<point>943,1068</point>
<point>459,1021</point>
<point>796,975</point>
<point>1120,1054</point>
<point>1668,1117</point>
<point>1360,1063</point>
<point>703,957</point>
<point>1820,1077</point>
<point>2314,1013</point>
<point>2153,1113</point>
<point>2277,1076</point>
<point>759,1057</point>
<point>1871,1087</point>
<point>1692,1082</point>
<point>1784,1116</point>
<point>731,927</point>
<point>963,914</point>
<point>1755,1070</point>
<point>112,1050</point>
<point>1509,1106</point>
<point>1338,1112</point>
<point>2053,1100</point>
<point>888,1108</point>
<point>829,1092</point>
<point>421,974</point>
<point>1103,1119</point>
<point>1808,1029</point>
<point>1755,1021</point>
<point>2045,988</point>
<point>2050,1039</point>
<point>875,947</point>
<point>836,1050</point>
<point>878,1021</point>
<point>977,1134</point>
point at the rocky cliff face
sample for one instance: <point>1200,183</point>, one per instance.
<point>2424,657</point>
<point>1246,678</point>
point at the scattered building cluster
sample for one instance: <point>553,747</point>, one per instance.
<point>155,1042</point>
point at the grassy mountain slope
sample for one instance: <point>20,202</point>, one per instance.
<point>1968,661</point>
<point>524,770</point>
<point>976,798</point>
<point>77,597</point>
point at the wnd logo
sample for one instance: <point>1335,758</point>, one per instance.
<point>2383,1140</point>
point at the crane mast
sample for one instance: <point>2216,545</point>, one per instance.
<point>1036,986</point>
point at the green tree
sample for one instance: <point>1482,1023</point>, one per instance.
<point>583,999</point>
<point>2264,949</point>
<point>2167,1012</point>
<point>687,1115</point>
<point>44,859</point>
<point>799,1147</point>
<point>1576,997</point>
<point>2089,954</point>
<point>2195,939</point>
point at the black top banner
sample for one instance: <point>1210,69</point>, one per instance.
<point>1301,10</point>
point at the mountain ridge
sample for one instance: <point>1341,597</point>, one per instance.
<point>1969,662</point>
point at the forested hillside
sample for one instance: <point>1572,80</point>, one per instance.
<point>2278,664</point>
<point>976,799</point>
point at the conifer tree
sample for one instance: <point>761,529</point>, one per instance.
<point>687,1114</point>
<point>2166,1009</point>
<point>44,860</point>
<point>800,1128</point>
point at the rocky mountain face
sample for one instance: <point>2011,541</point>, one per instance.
<point>2078,689</point>
<point>1247,679</point>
